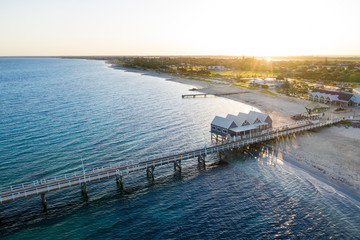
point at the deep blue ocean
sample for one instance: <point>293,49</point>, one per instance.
<point>56,112</point>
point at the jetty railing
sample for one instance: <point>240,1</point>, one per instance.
<point>197,95</point>
<point>42,186</point>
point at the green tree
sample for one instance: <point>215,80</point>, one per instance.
<point>265,86</point>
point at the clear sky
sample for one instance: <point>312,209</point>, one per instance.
<point>186,27</point>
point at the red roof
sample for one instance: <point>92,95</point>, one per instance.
<point>341,95</point>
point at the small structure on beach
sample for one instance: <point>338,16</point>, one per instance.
<point>316,107</point>
<point>239,125</point>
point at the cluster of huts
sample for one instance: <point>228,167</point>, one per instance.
<point>239,125</point>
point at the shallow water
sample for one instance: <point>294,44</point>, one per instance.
<point>55,112</point>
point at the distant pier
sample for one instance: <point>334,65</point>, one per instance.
<point>209,94</point>
<point>196,95</point>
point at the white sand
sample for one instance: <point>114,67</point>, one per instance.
<point>280,108</point>
<point>332,152</point>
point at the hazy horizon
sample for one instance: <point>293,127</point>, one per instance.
<point>179,28</point>
<point>200,56</point>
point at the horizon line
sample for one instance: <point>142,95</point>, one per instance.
<point>179,55</point>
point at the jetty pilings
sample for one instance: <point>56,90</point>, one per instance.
<point>150,172</point>
<point>201,160</point>
<point>43,201</point>
<point>119,181</point>
<point>177,166</point>
<point>84,190</point>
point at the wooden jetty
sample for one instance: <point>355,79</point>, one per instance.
<point>118,170</point>
<point>208,94</point>
<point>196,95</point>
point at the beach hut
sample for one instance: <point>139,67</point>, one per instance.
<point>243,124</point>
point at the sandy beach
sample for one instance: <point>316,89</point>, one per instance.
<point>331,153</point>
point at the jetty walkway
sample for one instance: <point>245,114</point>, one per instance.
<point>196,95</point>
<point>210,94</point>
<point>123,168</point>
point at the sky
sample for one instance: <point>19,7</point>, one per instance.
<point>186,27</point>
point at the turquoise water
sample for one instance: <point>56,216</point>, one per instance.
<point>57,112</point>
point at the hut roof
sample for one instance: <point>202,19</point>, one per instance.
<point>250,117</point>
<point>239,120</point>
<point>233,121</point>
<point>222,122</point>
<point>244,117</point>
<point>261,116</point>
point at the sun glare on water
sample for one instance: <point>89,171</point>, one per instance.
<point>268,59</point>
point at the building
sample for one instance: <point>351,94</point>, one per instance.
<point>270,82</point>
<point>239,125</point>
<point>216,67</point>
<point>331,97</point>
<point>356,98</point>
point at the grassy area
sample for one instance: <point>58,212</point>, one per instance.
<point>243,74</point>
<point>121,63</point>
<point>345,122</point>
<point>264,91</point>
<point>268,93</point>
<point>245,85</point>
<point>242,86</point>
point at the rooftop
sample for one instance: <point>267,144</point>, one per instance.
<point>222,122</point>
<point>232,121</point>
<point>341,95</point>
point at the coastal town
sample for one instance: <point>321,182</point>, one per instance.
<point>300,77</point>
<point>322,84</point>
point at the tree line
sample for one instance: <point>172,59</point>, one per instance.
<point>339,71</point>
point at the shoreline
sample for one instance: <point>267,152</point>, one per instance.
<point>280,115</point>
<point>325,162</point>
<point>338,186</point>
